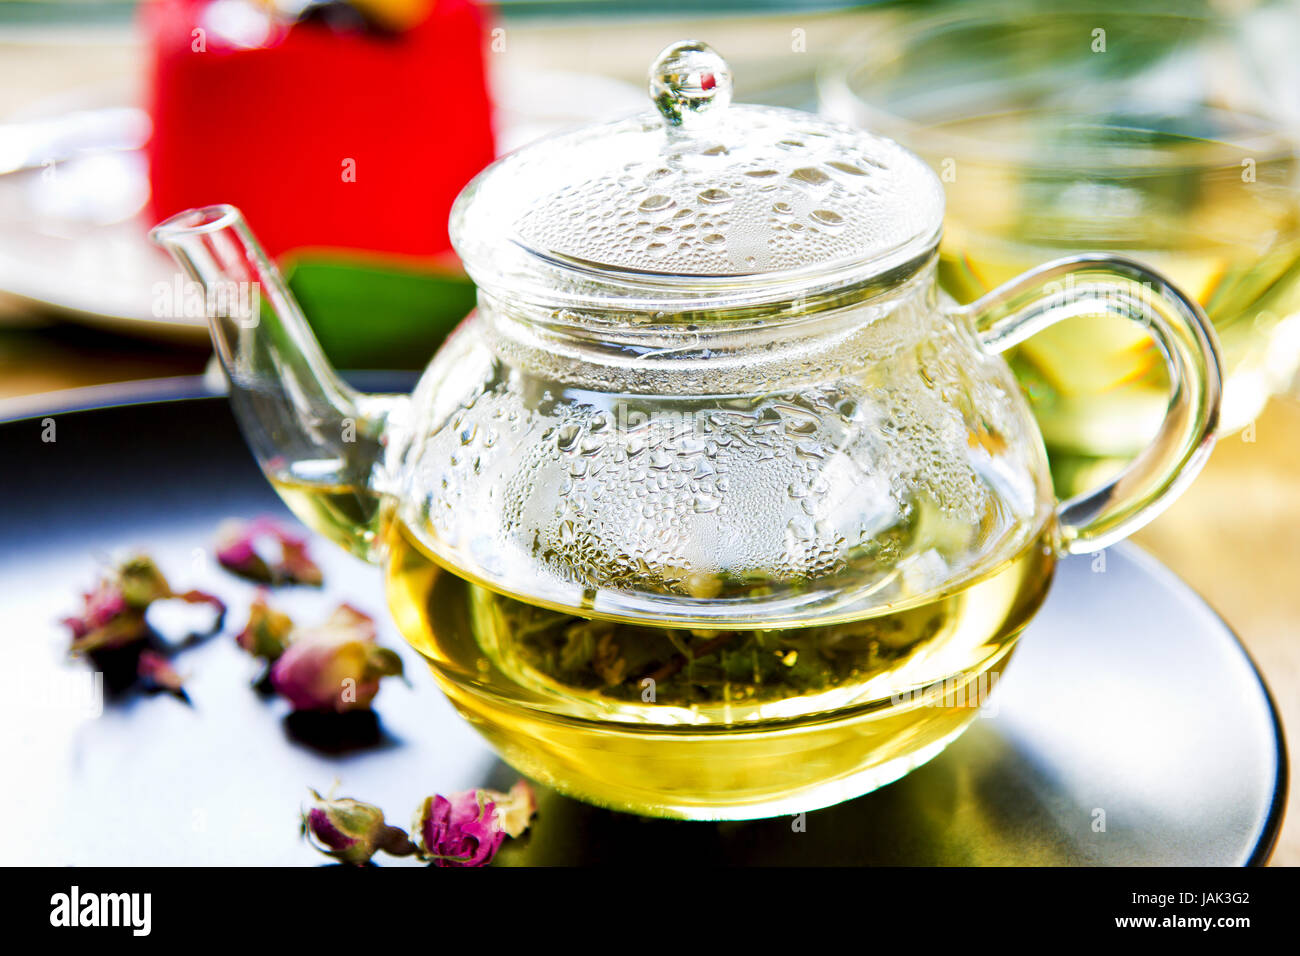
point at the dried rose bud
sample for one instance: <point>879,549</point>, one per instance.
<point>266,634</point>
<point>352,831</point>
<point>296,566</point>
<point>460,830</point>
<point>106,620</point>
<point>113,613</point>
<point>336,666</point>
<point>514,809</point>
<point>237,552</point>
<point>142,582</point>
<point>158,673</point>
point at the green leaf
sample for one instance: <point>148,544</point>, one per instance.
<point>372,313</point>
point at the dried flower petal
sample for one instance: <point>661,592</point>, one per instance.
<point>516,808</point>
<point>266,634</point>
<point>296,566</point>
<point>237,552</point>
<point>238,556</point>
<point>460,830</point>
<point>202,597</point>
<point>142,582</point>
<point>352,831</point>
<point>158,673</point>
<point>335,666</point>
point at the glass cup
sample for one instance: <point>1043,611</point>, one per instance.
<point>1168,137</point>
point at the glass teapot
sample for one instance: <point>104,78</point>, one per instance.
<point>714,508</point>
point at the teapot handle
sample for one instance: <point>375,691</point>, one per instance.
<point>1086,285</point>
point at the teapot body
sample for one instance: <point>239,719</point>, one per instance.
<point>819,536</point>
<point>814,466</point>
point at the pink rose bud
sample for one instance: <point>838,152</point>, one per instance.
<point>106,620</point>
<point>461,830</point>
<point>352,831</point>
<point>113,613</point>
<point>336,666</point>
<point>266,634</point>
<point>238,553</point>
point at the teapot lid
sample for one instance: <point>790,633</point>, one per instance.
<point>697,204</point>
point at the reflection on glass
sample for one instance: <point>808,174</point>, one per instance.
<point>1165,136</point>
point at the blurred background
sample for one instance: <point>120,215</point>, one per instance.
<point>344,129</point>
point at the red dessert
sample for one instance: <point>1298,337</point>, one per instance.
<point>326,132</point>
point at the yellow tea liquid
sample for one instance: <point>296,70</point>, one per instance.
<point>1222,222</point>
<point>713,724</point>
<point>347,515</point>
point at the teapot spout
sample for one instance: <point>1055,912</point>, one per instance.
<point>318,441</point>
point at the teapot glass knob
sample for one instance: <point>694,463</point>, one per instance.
<point>690,83</point>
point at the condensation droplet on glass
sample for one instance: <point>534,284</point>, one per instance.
<point>810,175</point>
<point>848,168</point>
<point>656,203</point>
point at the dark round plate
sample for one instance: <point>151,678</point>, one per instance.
<point>1131,728</point>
